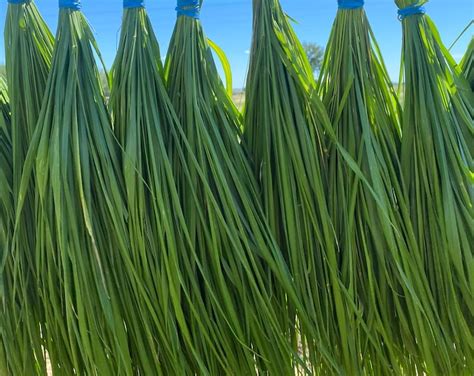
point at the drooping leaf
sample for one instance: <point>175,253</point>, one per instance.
<point>467,64</point>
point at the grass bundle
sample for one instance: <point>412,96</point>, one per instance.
<point>6,217</point>
<point>241,269</point>
<point>82,254</point>
<point>379,258</point>
<point>284,130</point>
<point>467,64</point>
<point>29,46</point>
<point>144,121</point>
<point>437,165</point>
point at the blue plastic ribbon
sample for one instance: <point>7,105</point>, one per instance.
<point>133,4</point>
<point>189,8</point>
<point>350,4</point>
<point>18,1</point>
<point>410,10</point>
<point>70,4</point>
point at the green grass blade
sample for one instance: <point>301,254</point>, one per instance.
<point>467,64</point>
<point>6,224</point>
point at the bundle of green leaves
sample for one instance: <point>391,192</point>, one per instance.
<point>88,285</point>
<point>379,258</point>
<point>178,332</point>
<point>245,282</point>
<point>29,46</point>
<point>438,169</point>
<point>285,125</point>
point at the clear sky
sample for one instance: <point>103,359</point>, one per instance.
<point>229,24</point>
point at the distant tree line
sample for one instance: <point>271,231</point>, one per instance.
<point>315,55</point>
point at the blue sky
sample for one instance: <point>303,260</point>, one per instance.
<point>229,24</point>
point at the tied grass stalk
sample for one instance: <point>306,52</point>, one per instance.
<point>6,220</point>
<point>438,168</point>
<point>379,259</point>
<point>144,121</point>
<point>29,46</point>
<point>284,132</point>
<point>88,284</point>
<point>242,268</point>
<point>134,103</point>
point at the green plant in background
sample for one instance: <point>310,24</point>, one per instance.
<point>315,54</point>
<point>285,126</point>
<point>88,284</point>
<point>6,215</point>
<point>437,166</point>
<point>180,334</point>
<point>29,46</point>
<point>241,265</point>
<point>379,257</point>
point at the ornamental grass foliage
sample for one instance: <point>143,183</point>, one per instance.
<point>437,167</point>
<point>28,50</point>
<point>248,291</point>
<point>379,256</point>
<point>285,133</point>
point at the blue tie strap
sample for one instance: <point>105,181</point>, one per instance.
<point>189,8</point>
<point>350,4</point>
<point>127,4</point>
<point>411,10</point>
<point>70,4</point>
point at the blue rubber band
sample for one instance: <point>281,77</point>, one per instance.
<point>189,8</point>
<point>350,4</point>
<point>18,1</point>
<point>411,10</point>
<point>70,4</point>
<point>127,4</point>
